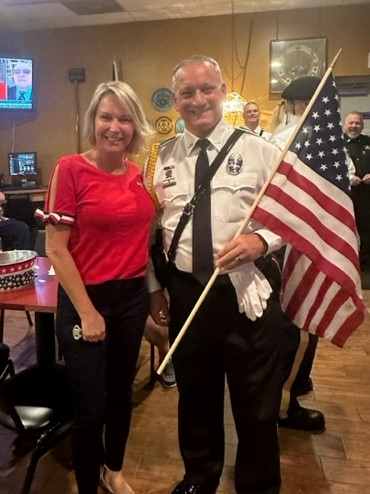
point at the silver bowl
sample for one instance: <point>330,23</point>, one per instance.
<point>14,256</point>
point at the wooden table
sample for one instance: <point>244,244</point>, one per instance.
<point>40,297</point>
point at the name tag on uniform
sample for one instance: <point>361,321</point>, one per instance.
<point>169,178</point>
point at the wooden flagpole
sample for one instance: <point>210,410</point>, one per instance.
<point>247,218</point>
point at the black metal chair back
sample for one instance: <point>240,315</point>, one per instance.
<point>36,404</point>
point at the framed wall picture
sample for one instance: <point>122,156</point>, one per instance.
<point>294,58</point>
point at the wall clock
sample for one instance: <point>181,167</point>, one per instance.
<point>291,59</point>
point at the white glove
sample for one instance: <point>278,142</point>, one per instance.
<point>252,290</point>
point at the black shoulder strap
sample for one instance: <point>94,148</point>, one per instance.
<point>190,206</point>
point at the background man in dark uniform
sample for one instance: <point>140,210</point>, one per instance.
<point>358,147</point>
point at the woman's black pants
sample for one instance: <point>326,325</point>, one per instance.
<point>101,375</point>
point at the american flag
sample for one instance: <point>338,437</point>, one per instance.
<point>308,204</point>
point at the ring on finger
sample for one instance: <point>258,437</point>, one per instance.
<point>162,315</point>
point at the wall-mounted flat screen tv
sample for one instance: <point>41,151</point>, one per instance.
<point>16,83</point>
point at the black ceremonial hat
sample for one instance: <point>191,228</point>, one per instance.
<point>301,89</point>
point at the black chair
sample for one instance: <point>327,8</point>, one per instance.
<point>6,365</point>
<point>2,320</point>
<point>36,404</point>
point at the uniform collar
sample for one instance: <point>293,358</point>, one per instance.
<point>216,137</point>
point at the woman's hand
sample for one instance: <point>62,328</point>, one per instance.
<point>242,249</point>
<point>93,327</point>
<point>366,179</point>
<point>159,308</point>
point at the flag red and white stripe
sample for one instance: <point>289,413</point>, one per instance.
<point>308,204</point>
<point>321,284</point>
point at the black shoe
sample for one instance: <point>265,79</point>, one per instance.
<point>304,419</point>
<point>304,388</point>
<point>188,488</point>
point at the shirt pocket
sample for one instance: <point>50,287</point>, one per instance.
<point>233,196</point>
<point>173,200</point>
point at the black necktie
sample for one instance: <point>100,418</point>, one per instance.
<point>22,95</point>
<point>202,228</point>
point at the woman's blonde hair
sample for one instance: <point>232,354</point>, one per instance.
<point>127,96</point>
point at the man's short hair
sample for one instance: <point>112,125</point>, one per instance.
<point>251,103</point>
<point>195,59</point>
<point>358,113</point>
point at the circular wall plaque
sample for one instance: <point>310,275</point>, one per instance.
<point>162,99</point>
<point>163,125</point>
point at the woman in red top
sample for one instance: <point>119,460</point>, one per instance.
<point>98,220</point>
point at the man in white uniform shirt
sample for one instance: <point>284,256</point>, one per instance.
<point>251,115</point>
<point>239,331</point>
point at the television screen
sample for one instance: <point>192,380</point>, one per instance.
<point>16,84</point>
<point>22,163</point>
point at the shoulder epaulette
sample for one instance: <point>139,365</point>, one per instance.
<point>166,141</point>
<point>247,131</point>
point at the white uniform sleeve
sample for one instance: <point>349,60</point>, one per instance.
<point>273,241</point>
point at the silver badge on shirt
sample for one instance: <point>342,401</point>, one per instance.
<point>234,164</point>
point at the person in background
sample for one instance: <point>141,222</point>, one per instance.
<point>239,331</point>
<point>251,114</point>
<point>99,216</point>
<point>296,97</point>
<point>14,234</point>
<point>22,76</point>
<point>358,147</point>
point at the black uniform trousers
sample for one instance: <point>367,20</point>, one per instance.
<point>361,202</point>
<point>253,356</point>
<point>271,267</point>
<point>101,375</point>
